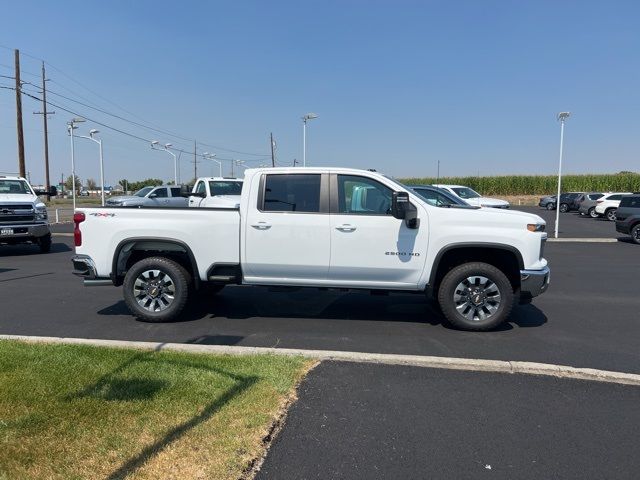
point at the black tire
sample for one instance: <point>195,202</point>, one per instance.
<point>564,208</point>
<point>551,206</point>
<point>592,212</point>
<point>167,304</point>
<point>496,279</point>
<point>635,234</point>
<point>45,243</point>
<point>610,214</point>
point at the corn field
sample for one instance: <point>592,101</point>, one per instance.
<point>539,184</point>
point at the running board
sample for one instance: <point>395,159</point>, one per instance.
<point>222,278</point>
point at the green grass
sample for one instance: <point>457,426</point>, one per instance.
<point>69,411</point>
<point>540,184</point>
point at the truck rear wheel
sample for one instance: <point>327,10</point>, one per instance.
<point>475,296</point>
<point>156,289</point>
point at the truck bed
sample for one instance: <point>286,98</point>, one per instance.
<point>211,234</point>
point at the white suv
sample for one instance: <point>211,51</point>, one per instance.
<point>608,205</point>
<point>472,197</point>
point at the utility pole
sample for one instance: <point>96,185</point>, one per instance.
<point>273,155</point>
<point>19,115</point>
<point>232,163</point>
<point>44,114</point>
<point>195,161</point>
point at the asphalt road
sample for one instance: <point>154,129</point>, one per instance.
<point>588,318</point>
<point>357,421</point>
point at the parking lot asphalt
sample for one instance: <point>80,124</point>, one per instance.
<point>588,318</point>
<point>363,421</point>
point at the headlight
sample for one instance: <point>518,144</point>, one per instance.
<point>41,211</point>
<point>536,227</point>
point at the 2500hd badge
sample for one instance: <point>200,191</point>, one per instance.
<point>403,254</point>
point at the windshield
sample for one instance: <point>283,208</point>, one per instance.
<point>15,186</point>
<point>143,192</point>
<point>219,187</point>
<point>465,192</point>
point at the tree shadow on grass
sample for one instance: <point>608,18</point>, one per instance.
<point>109,387</point>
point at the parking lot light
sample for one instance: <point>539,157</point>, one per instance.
<point>92,132</point>
<point>305,119</point>
<point>166,147</point>
<point>562,116</point>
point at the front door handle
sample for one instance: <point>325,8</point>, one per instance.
<point>261,226</point>
<point>346,228</point>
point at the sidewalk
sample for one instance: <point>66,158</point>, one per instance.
<point>365,421</point>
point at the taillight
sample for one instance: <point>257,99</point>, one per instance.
<point>599,201</point>
<point>78,218</point>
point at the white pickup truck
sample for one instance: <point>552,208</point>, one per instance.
<point>216,192</point>
<point>318,227</point>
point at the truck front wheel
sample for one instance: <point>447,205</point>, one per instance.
<point>156,289</point>
<point>475,296</point>
<point>45,243</point>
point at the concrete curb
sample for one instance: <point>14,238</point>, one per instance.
<point>450,363</point>
<point>61,234</point>
<point>583,240</point>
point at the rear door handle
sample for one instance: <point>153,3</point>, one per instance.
<point>346,228</point>
<point>261,226</point>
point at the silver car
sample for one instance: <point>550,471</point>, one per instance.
<point>162,196</point>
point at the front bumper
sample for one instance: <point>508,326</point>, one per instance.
<point>24,232</point>
<point>533,283</point>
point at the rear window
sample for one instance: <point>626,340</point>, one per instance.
<point>176,191</point>
<point>633,202</point>
<point>595,196</point>
<point>219,187</point>
<point>292,193</point>
<point>614,197</point>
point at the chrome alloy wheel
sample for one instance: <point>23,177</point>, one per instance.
<point>477,298</point>
<point>154,290</point>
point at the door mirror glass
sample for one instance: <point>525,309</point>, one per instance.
<point>399,204</point>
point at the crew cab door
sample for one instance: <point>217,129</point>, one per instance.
<point>159,197</point>
<point>369,247</point>
<point>287,229</point>
<point>201,188</point>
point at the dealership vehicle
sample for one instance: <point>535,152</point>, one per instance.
<point>472,197</point>
<point>607,205</point>
<point>587,203</point>
<point>318,227</point>
<point>567,201</point>
<point>437,196</point>
<point>628,217</point>
<point>162,196</point>
<point>23,216</point>
<point>216,192</point>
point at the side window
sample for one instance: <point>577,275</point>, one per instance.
<point>363,196</point>
<point>201,188</point>
<point>292,193</point>
<point>615,197</point>
<point>175,191</point>
<point>160,192</point>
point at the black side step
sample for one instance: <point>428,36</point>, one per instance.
<point>224,273</point>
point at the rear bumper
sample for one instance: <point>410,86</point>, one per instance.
<point>85,267</point>
<point>533,283</point>
<point>24,232</point>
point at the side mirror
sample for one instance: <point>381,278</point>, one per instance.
<point>399,204</point>
<point>196,194</point>
<point>153,195</point>
<point>53,191</point>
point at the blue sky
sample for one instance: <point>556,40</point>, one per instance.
<point>398,85</point>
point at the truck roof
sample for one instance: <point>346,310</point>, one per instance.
<point>13,177</point>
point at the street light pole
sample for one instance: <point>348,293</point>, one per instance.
<point>99,142</point>
<point>562,116</point>
<point>210,156</point>
<point>166,147</point>
<point>71,127</point>
<point>305,118</point>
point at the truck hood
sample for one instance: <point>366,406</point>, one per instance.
<point>486,202</point>
<point>18,198</point>
<point>515,214</point>
<point>124,198</point>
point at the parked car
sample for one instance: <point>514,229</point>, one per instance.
<point>23,216</point>
<point>587,204</point>
<point>472,197</point>
<point>567,201</point>
<point>318,227</point>
<point>607,205</point>
<point>437,196</point>
<point>217,192</point>
<point>628,217</point>
<point>162,196</point>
